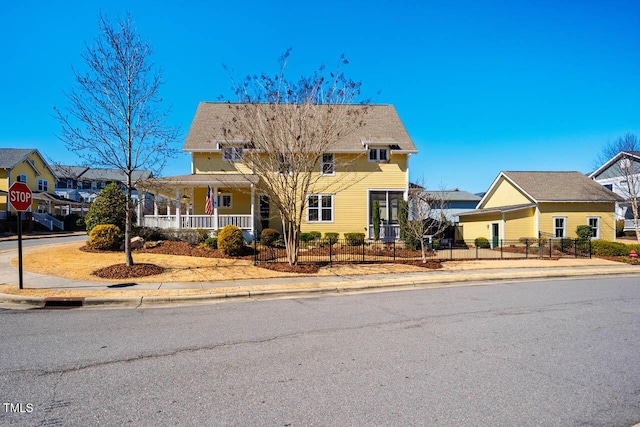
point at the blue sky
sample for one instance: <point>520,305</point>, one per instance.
<point>481,86</point>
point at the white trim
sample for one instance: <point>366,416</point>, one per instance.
<point>378,151</point>
<point>333,163</point>
<point>564,227</point>
<point>599,219</point>
<point>536,222</point>
<point>492,235</point>
<point>320,196</point>
<point>494,184</point>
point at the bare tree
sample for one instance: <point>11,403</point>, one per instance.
<point>426,216</point>
<point>114,118</point>
<point>287,128</point>
<point>623,155</point>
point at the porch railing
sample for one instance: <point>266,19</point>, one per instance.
<point>388,232</point>
<point>48,221</point>
<point>628,225</point>
<point>198,221</point>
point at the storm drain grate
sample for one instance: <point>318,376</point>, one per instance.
<point>62,302</point>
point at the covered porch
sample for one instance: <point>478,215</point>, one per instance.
<point>208,201</point>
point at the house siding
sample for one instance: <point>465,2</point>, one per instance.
<point>506,194</point>
<point>520,224</point>
<point>354,177</point>
<point>577,214</point>
<point>479,226</point>
<point>23,168</point>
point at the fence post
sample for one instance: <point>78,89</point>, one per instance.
<point>394,251</point>
<point>589,248</point>
<point>575,248</point>
<point>330,253</point>
<point>477,252</point>
<point>501,242</point>
<point>451,249</point>
<point>550,248</point>
<point>526,251</point>
<point>255,252</point>
<point>363,250</point>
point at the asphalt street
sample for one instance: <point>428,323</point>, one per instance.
<point>532,353</point>
<point>27,242</point>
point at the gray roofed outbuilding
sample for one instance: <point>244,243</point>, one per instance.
<point>561,187</point>
<point>381,125</point>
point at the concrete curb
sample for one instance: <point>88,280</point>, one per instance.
<point>335,287</point>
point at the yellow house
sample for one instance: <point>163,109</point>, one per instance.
<point>521,205</point>
<point>377,153</point>
<point>28,166</point>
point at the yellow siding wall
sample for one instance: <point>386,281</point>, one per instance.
<point>505,194</point>
<point>240,201</point>
<point>213,163</point>
<point>32,179</point>
<point>520,224</point>
<point>478,226</point>
<point>350,191</point>
<point>577,214</point>
<point>353,177</point>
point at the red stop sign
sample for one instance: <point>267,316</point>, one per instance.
<point>20,196</point>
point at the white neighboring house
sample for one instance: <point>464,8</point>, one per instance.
<point>83,184</point>
<point>621,174</point>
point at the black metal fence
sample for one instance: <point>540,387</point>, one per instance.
<point>350,251</point>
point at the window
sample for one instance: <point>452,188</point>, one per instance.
<point>22,178</point>
<point>69,183</point>
<point>232,154</point>
<point>284,165</point>
<point>224,201</point>
<point>594,223</point>
<point>43,185</point>
<point>559,226</point>
<point>103,184</point>
<point>378,155</point>
<point>94,185</point>
<point>320,208</point>
<point>623,184</point>
<point>609,186</point>
<point>328,166</point>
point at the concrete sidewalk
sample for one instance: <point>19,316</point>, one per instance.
<point>129,293</point>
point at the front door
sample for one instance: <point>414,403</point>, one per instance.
<point>495,235</point>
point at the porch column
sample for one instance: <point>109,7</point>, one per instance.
<point>178,221</point>
<point>140,202</point>
<point>215,208</point>
<point>155,205</point>
<point>253,225</point>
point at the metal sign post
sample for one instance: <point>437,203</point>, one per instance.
<point>20,197</point>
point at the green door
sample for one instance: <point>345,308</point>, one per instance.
<point>495,235</point>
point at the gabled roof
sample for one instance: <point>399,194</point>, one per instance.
<point>554,187</point>
<point>631,154</point>
<point>10,157</point>
<point>97,174</point>
<point>382,126</point>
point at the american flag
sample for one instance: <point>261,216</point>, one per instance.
<point>208,206</point>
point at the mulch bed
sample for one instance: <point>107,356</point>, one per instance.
<point>124,271</point>
<point>170,247</point>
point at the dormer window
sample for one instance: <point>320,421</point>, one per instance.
<point>22,178</point>
<point>232,154</point>
<point>328,166</point>
<point>380,155</point>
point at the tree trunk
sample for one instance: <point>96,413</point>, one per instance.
<point>127,226</point>
<point>634,208</point>
<point>424,254</point>
<point>291,234</point>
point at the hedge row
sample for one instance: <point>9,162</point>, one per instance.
<point>606,248</point>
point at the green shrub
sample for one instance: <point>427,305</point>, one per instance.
<point>584,231</point>
<point>306,237</point>
<point>151,234</point>
<point>211,242</point>
<point>375,216</point>
<point>354,239</point>
<point>436,244</point>
<point>183,235</point>
<point>108,208</point>
<point>630,233</point>
<point>269,236</point>
<point>80,224</point>
<point>619,227</point>
<point>482,242</point>
<point>606,248</point>
<point>105,237</point>
<point>316,235</point>
<point>203,234</point>
<point>231,241</point>
<point>411,243</point>
<point>330,238</point>
<point>403,218</point>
